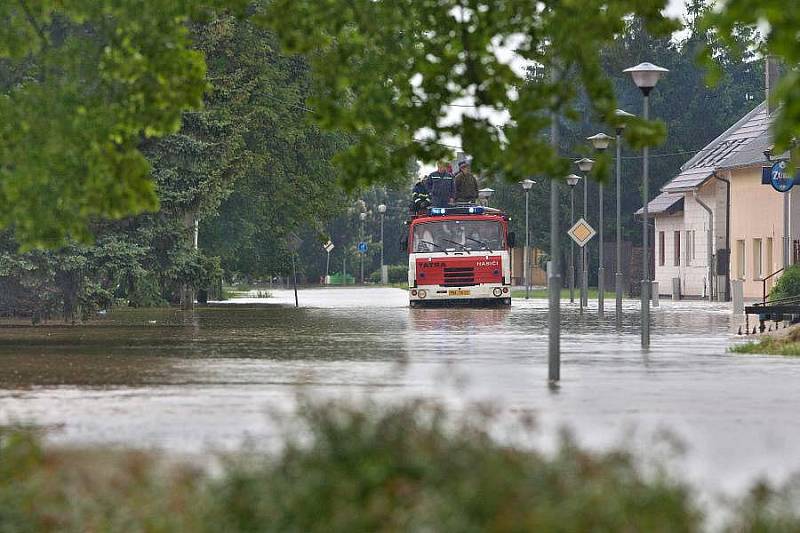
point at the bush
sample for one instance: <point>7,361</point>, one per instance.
<point>397,274</point>
<point>788,284</point>
<point>411,468</point>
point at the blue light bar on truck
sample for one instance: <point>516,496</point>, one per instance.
<point>460,210</point>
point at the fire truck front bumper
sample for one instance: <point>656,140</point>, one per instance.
<point>490,292</point>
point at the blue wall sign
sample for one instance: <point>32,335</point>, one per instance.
<point>780,179</point>
<point>362,247</point>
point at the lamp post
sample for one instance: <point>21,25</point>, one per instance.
<point>527,184</point>
<point>363,217</point>
<point>620,126</point>
<point>600,141</point>
<point>572,181</point>
<point>585,165</point>
<point>384,272</point>
<point>645,76</point>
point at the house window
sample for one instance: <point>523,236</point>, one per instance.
<point>694,250</point>
<point>661,248</point>
<point>757,271</point>
<point>740,260</point>
<point>677,249</point>
<point>768,253</point>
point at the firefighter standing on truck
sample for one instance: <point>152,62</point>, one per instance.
<point>466,184</point>
<point>440,186</point>
<point>420,198</point>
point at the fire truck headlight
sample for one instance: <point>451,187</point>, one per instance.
<point>413,292</point>
<point>505,290</point>
<point>422,293</point>
<point>497,291</point>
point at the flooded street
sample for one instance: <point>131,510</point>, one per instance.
<point>209,379</point>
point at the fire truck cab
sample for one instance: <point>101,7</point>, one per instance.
<point>459,255</point>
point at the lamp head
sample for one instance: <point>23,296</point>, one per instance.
<point>600,141</point>
<point>382,209</point>
<point>621,116</point>
<point>485,193</point>
<point>573,179</point>
<point>585,164</point>
<point>527,184</point>
<point>646,76</point>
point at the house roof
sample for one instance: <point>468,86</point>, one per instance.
<point>689,179</point>
<point>664,204</point>
<point>743,142</point>
<point>741,145</point>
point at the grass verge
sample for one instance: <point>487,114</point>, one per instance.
<point>788,344</point>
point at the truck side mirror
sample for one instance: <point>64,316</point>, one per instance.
<point>404,243</point>
<point>512,239</point>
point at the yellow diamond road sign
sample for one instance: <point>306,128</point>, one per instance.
<point>581,232</point>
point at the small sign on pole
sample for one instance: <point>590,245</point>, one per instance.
<point>581,232</point>
<point>362,247</point>
<point>328,246</point>
<point>781,180</point>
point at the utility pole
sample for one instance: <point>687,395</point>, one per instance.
<point>620,127</point>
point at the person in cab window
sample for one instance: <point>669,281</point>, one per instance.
<point>426,243</point>
<point>466,184</point>
<point>440,186</point>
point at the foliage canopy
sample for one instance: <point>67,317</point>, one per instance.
<point>393,72</point>
<point>85,81</point>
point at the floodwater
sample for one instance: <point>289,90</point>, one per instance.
<point>189,382</point>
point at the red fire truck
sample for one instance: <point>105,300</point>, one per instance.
<point>459,255</point>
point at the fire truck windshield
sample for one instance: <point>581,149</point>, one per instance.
<point>458,235</point>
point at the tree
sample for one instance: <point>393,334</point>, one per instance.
<point>86,81</point>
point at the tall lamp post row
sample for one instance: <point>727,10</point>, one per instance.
<point>645,76</point>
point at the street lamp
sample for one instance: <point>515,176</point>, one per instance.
<point>585,165</point>
<point>621,116</point>
<point>645,76</point>
<point>484,194</point>
<point>384,270</point>
<point>527,184</point>
<point>600,141</point>
<point>363,217</point>
<point>572,181</point>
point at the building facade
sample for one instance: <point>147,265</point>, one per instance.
<point>719,197</point>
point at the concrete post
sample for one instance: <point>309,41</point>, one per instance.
<point>737,295</point>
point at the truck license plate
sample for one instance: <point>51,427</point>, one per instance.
<point>458,292</point>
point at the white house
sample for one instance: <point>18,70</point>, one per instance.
<point>717,221</point>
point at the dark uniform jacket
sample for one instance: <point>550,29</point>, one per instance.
<point>441,188</point>
<point>420,199</point>
<point>466,187</point>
